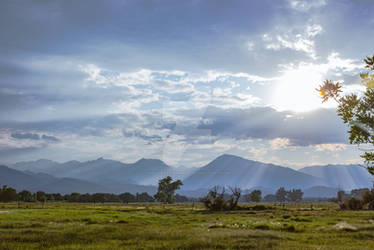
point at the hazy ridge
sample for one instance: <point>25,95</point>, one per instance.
<point>103,175</point>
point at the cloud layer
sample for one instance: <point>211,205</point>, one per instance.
<point>181,81</point>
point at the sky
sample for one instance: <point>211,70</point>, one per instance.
<point>180,81</point>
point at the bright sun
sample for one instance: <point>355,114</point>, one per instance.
<point>295,90</point>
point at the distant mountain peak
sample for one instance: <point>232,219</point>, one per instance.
<point>228,156</point>
<point>150,161</point>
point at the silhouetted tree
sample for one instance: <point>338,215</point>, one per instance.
<point>295,195</point>
<point>215,200</point>
<point>358,193</point>
<point>368,198</point>
<point>74,197</point>
<point>8,194</point>
<point>127,197</point>
<point>356,111</point>
<point>50,197</point>
<point>281,195</point>
<point>255,196</point>
<point>25,195</point>
<point>166,189</point>
<point>40,196</point>
<point>58,197</point>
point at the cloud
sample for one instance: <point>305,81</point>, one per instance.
<point>142,134</point>
<point>330,147</point>
<point>279,143</point>
<point>198,80</point>
<point>50,138</point>
<point>306,5</point>
<point>316,127</point>
<point>298,40</point>
<point>29,136</point>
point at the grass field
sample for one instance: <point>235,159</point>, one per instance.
<point>184,226</point>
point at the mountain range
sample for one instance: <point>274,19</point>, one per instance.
<point>103,175</point>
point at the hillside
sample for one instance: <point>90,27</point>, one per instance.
<point>234,171</point>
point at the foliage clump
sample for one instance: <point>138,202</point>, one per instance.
<point>283,195</point>
<point>356,111</point>
<point>254,196</point>
<point>217,199</point>
<point>357,200</point>
<point>7,194</point>
<point>166,190</point>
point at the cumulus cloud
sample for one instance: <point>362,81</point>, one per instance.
<point>279,143</point>
<point>298,40</point>
<point>330,147</point>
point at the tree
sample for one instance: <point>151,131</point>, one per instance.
<point>144,197</point>
<point>40,196</point>
<point>8,194</point>
<point>356,111</point>
<point>215,200</point>
<point>166,189</point>
<point>295,195</point>
<point>281,195</point>
<point>255,196</point>
<point>25,195</point>
<point>58,197</point>
<point>127,197</point>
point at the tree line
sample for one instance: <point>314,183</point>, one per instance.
<point>283,195</point>
<point>9,194</point>
<point>219,199</point>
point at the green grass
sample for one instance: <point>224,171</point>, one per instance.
<point>155,226</point>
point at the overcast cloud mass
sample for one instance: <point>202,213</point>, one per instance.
<point>181,81</point>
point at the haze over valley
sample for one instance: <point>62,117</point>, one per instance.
<point>104,175</point>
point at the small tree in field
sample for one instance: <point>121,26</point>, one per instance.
<point>217,199</point>
<point>295,195</point>
<point>281,195</point>
<point>25,195</point>
<point>166,189</point>
<point>255,196</point>
<point>8,194</point>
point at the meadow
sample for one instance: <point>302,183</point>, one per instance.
<point>183,226</point>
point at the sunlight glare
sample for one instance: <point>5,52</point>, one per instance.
<point>295,90</point>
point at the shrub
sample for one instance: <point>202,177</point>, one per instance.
<point>354,203</point>
<point>368,198</point>
<point>215,200</point>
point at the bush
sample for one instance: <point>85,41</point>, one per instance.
<point>357,200</point>
<point>354,204</point>
<point>215,200</point>
<point>368,198</point>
